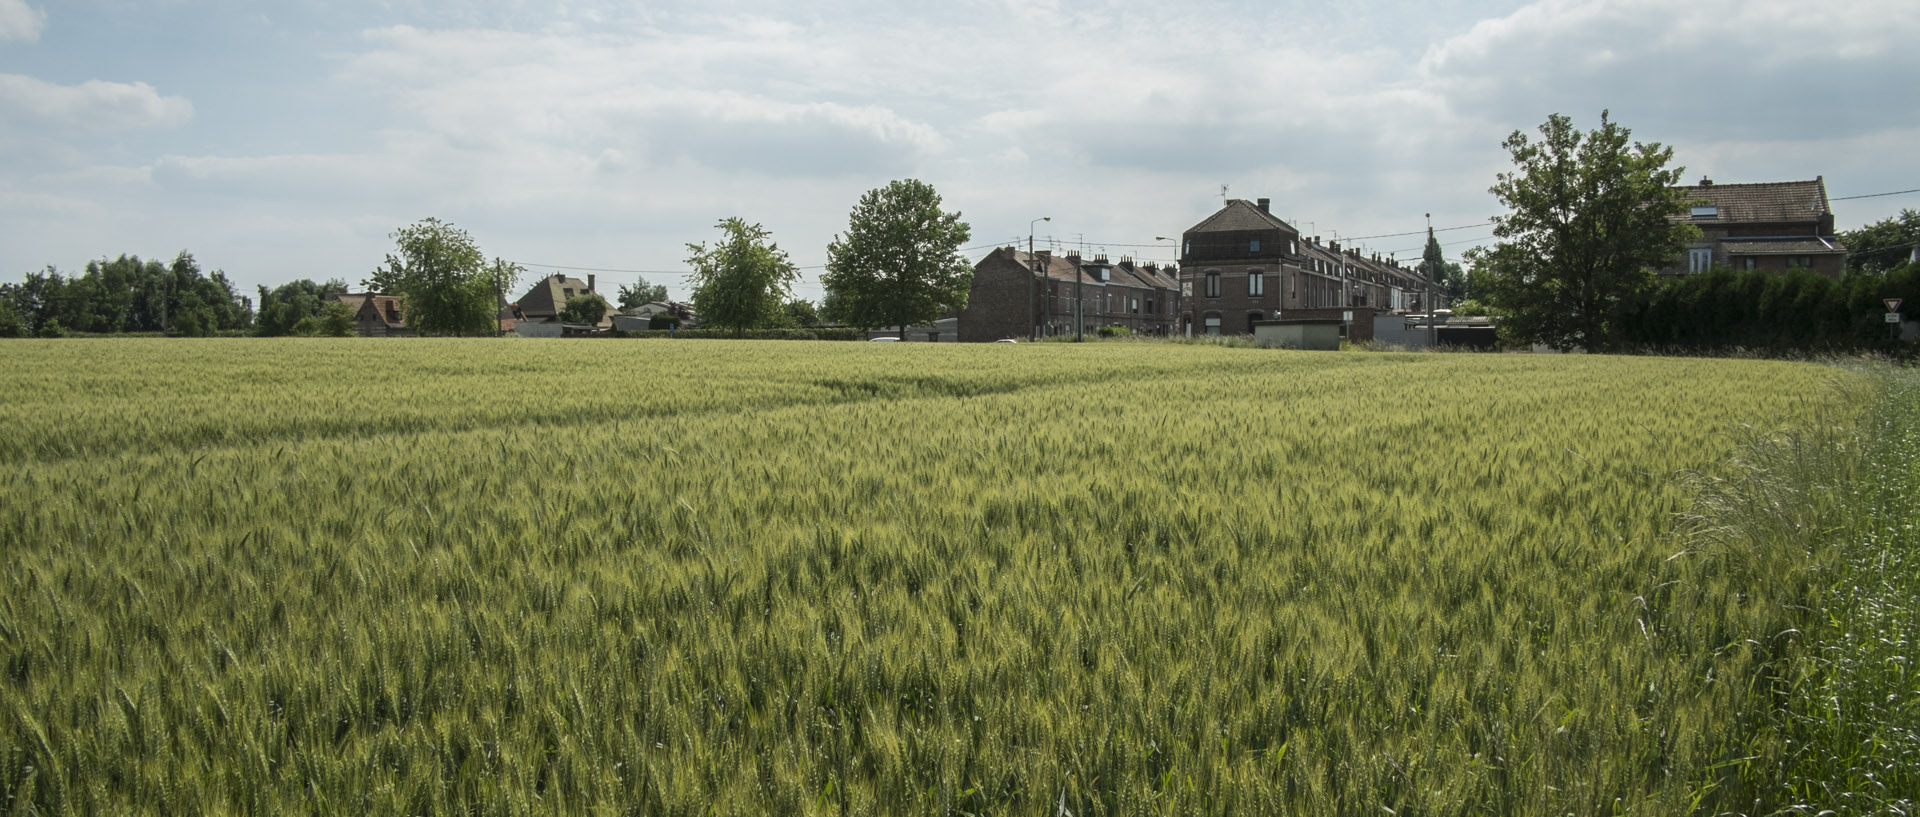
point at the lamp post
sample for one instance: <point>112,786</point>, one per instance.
<point>1033,326</point>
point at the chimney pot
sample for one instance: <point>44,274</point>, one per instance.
<point>1706,182</point>
<point>1263,203</point>
<point>590,282</point>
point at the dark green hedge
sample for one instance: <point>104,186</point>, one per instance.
<point>751,334</point>
<point>1768,311</point>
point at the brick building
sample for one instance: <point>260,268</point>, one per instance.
<point>1778,226</point>
<point>544,302</point>
<point>1011,287</point>
<point>1242,265</point>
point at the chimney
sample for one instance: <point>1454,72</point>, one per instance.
<point>1335,246</point>
<point>1073,257</point>
<point>1263,204</point>
<point>1316,241</point>
<point>589,282</point>
<point>1706,182</point>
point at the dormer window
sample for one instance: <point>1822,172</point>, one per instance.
<point>1706,211</point>
<point>1253,247</point>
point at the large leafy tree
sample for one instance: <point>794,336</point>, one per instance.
<point>1590,217</point>
<point>445,283</point>
<point>585,309</point>
<point>1883,245</point>
<point>741,281</point>
<point>899,262</point>
<point>284,307</point>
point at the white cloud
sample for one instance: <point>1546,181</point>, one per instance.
<point>94,105</point>
<point>19,21</point>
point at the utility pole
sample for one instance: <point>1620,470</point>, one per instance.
<point>1033,276</point>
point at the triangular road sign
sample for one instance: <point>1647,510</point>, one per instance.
<point>1893,304</point>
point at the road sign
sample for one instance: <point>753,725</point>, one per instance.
<point>1893,317</point>
<point>1893,304</point>
<point>1347,316</point>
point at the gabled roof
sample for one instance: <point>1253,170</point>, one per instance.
<point>549,295</point>
<point>1783,246</point>
<point>1240,215</point>
<point>1761,201</point>
<point>1062,268</point>
<point>385,308</point>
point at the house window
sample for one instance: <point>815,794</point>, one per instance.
<point>1706,211</point>
<point>1799,262</point>
<point>1256,284</point>
<point>1253,247</point>
<point>1213,323</point>
<point>1752,264</point>
<point>1213,285</point>
<point>1699,260</point>
<point>1136,305</point>
<point>1150,306</point>
<point>1293,246</point>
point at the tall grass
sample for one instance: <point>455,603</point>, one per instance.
<point>457,577</point>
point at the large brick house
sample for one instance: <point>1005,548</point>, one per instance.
<point>1778,226</point>
<point>1243,265</point>
<point>1011,288</point>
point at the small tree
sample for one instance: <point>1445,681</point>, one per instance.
<point>641,294</point>
<point>899,263</point>
<point>1883,245</point>
<point>586,308</point>
<point>1590,219</point>
<point>442,278</point>
<point>802,313</point>
<point>742,280</point>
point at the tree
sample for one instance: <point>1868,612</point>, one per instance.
<point>443,281</point>
<point>641,294</point>
<point>290,303</point>
<point>802,313</point>
<point>741,281</point>
<point>1883,245</point>
<point>899,263</point>
<point>586,308</point>
<point>1433,263</point>
<point>1590,219</point>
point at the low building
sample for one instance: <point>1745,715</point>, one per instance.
<point>1776,226</point>
<point>1020,295</point>
<point>548,298</point>
<point>376,315</point>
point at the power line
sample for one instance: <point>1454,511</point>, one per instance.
<point>1875,195</point>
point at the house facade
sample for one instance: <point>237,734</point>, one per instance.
<point>1775,226</point>
<point>1017,295</point>
<point>1242,265</point>
<point>544,302</point>
<point>376,315</point>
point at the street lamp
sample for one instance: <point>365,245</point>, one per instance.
<point>1033,327</point>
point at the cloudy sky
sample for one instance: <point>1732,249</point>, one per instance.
<point>290,139</point>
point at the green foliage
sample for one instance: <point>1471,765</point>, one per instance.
<point>586,308</point>
<point>1883,245</point>
<point>1588,222</point>
<point>335,320</point>
<point>1113,332</point>
<point>11,326</point>
<point>1797,312</point>
<point>814,333</point>
<point>445,284</point>
<point>802,313</point>
<point>52,329</point>
<point>899,262</point>
<point>828,583</point>
<point>741,281</point>
<point>128,295</point>
<point>1851,707</point>
<point>285,306</point>
<point>641,294</point>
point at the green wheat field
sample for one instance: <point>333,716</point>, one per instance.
<point>460,577</point>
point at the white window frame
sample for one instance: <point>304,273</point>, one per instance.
<point>1256,284</point>
<point>1699,259</point>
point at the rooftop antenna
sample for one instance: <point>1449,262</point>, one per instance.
<point>1223,193</point>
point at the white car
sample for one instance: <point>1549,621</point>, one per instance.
<point>885,340</point>
<point>1006,340</point>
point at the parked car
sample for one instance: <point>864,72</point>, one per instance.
<point>885,340</point>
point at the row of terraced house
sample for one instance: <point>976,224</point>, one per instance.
<point>1240,266</point>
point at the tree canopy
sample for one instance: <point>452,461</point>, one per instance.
<point>1883,245</point>
<point>128,295</point>
<point>899,262</point>
<point>283,308</point>
<point>1590,217</point>
<point>586,308</point>
<point>641,294</point>
<point>445,284</point>
<point>741,281</point>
